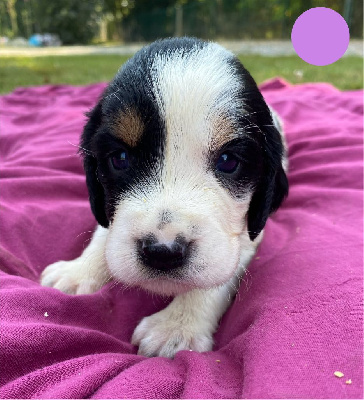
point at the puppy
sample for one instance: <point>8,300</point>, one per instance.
<point>184,163</point>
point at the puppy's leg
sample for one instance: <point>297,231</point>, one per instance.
<point>86,274</point>
<point>188,322</point>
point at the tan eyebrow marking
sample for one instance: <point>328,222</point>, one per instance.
<point>223,131</point>
<point>128,126</point>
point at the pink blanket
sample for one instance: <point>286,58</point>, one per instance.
<point>298,315</point>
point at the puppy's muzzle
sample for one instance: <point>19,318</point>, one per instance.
<point>162,256</point>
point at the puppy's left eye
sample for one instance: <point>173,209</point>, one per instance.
<point>120,160</point>
<point>227,163</point>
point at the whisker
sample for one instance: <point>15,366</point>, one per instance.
<point>83,150</point>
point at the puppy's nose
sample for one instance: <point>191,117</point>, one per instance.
<point>159,256</point>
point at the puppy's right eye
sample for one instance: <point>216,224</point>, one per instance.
<point>120,160</point>
<point>227,163</point>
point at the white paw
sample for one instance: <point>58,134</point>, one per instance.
<point>167,332</point>
<point>72,277</point>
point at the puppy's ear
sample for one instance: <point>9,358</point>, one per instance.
<point>273,185</point>
<point>95,189</point>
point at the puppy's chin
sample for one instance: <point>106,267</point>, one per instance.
<point>166,287</point>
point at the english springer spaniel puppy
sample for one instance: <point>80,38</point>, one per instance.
<point>184,163</point>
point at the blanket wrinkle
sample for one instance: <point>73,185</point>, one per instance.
<point>296,319</point>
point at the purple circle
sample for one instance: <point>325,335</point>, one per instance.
<point>320,36</point>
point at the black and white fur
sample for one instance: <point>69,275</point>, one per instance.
<point>170,220</point>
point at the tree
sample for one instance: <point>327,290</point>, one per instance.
<point>74,21</point>
<point>10,4</point>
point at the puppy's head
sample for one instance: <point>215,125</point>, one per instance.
<point>183,164</point>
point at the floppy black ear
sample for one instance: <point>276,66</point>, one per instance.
<point>273,185</point>
<point>95,189</point>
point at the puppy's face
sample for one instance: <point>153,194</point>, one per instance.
<point>183,164</point>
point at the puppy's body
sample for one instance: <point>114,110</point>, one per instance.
<point>184,162</point>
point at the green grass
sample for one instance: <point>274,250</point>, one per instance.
<point>72,70</point>
<point>346,74</point>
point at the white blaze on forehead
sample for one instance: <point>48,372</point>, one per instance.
<point>193,88</point>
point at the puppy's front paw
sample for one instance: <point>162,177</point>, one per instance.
<point>72,277</point>
<point>167,332</point>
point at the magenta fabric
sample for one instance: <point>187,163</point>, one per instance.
<point>295,321</point>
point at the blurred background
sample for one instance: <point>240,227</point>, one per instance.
<point>78,42</point>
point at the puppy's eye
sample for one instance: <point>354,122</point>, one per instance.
<point>227,163</point>
<point>120,160</point>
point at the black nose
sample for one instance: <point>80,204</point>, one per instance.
<point>162,257</point>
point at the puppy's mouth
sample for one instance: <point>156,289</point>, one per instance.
<point>167,284</point>
<point>177,275</point>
